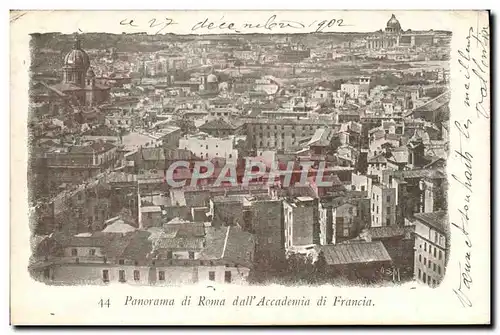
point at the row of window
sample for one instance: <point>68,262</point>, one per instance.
<point>74,252</point>
<point>282,127</point>
<point>387,220</point>
<point>362,188</point>
<point>161,276</point>
<point>121,275</point>
<point>388,198</point>
<point>429,263</point>
<point>282,135</point>
<point>216,154</point>
<point>92,252</point>
<point>433,250</point>
<point>426,278</point>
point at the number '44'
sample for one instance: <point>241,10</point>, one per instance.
<point>104,303</point>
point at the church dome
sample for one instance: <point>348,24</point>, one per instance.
<point>212,78</point>
<point>77,57</point>
<point>393,23</point>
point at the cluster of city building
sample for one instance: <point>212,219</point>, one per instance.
<point>365,192</point>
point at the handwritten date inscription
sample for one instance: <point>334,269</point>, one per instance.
<point>158,25</point>
<point>272,23</point>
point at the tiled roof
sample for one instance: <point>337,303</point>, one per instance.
<point>420,173</point>
<point>179,243</point>
<point>138,246</point>
<point>150,209</point>
<point>94,240</point>
<point>389,231</point>
<point>435,103</point>
<point>230,244</point>
<point>217,124</point>
<point>96,147</point>
<point>185,230</point>
<point>398,156</point>
<point>437,220</point>
<point>380,158</point>
<point>353,253</point>
<point>119,227</point>
<point>152,154</point>
<point>178,154</point>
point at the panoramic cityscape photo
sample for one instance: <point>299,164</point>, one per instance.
<point>249,159</point>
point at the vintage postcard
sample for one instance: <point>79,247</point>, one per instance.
<point>250,167</point>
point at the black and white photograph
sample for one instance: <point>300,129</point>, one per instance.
<point>293,159</point>
<point>319,156</point>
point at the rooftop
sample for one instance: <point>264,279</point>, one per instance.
<point>150,209</point>
<point>437,220</point>
<point>355,253</point>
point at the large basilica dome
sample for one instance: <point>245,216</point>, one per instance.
<point>393,25</point>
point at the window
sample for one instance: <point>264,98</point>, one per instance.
<point>424,278</point>
<point>121,261</point>
<point>121,276</point>
<point>429,263</point>
<point>137,275</point>
<point>77,260</point>
<point>227,276</point>
<point>136,263</point>
<point>440,254</point>
<point>435,251</point>
<point>425,246</point>
<point>169,255</point>
<point>425,261</point>
<point>388,222</point>
<point>388,198</point>
<point>373,207</point>
<point>420,258</point>
<point>92,252</point>
<point>74,252</point>
<point>419,274</point>
<point>161,275</point>
<point>362,188</point>
<point>439,269</point>
<point>105,275</point>
<point>434,266</point>
<point>377,209</point>
<point>191,255</point>
<point>429,279</point>
<point>435,237</point>
<point>388,210</point>
<point>434,282</point>
<point>211,275</point>
<point>150,215</point>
